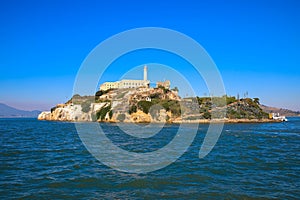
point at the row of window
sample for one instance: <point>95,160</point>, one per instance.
<point>126,84</point>
<point>129,83</point>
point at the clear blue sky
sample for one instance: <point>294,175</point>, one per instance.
<point>255,44</point>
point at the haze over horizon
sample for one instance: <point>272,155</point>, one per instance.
<point>255,45</point>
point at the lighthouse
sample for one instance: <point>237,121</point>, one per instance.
<point>145,73</point>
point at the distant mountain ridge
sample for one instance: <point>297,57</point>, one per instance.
<point>10,112</point>
<point>281,111</point>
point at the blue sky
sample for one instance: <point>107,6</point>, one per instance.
<point>255,44</point>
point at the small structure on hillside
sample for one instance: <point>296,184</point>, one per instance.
<point>166,84</point>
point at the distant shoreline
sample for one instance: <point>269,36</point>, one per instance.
<point>18,117</point>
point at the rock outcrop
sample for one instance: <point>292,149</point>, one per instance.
<point>71,112</point>
<point>114,106</point>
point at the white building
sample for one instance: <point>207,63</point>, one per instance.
<point>127,83</point>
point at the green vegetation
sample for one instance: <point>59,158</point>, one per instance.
<point>102,100</point>
<point>193,118</point>
<point>120,95</point>
<point>132,109</point>
<point>77,99</point>
<point>175,89</point>
<point>256,100</point>
<point>171,105</point>
<point>168,105</point>
<point>53,108</point>
<point>86,106</point>
<point>155,95</point>
<point>246,108</point>
<point>230,100</point>
<point>219,101</point>
<point>102,112</point>
<point>110,114</point>
<point>204,101</point>
<point>121,117</point>
<point>145,106</point>
<point>94,117</point>
<point>206,115</point>
<point>216,101</point>
<point>101,92</point>
<point>164,89</point>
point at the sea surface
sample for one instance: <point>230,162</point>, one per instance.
<point>47,160</point>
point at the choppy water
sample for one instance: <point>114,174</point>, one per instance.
<point>47,160</point>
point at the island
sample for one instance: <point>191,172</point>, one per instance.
<point>134,101</point>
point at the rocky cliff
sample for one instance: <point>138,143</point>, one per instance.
<point>71,112</point>
<point>123,105</point>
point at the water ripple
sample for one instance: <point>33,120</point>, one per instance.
<point>47,160</point>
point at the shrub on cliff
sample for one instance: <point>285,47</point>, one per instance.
<point>145,106</point>
<point>168,105</point>
<point>101,92</point>
<point>132,109</point>
<point>110,114</point>
<point>172,105</point>
<point>86,106</point>
<point>102,112</point>
<point>53,108</point>
<point>121,117</point>
<point>207,115</point>
<point>166,90</point>
<point>155,95</point>
<point>256,100</point>
<point>94,117</point>
<point>230,100</point>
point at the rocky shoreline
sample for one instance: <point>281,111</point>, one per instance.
<point>202,121</point>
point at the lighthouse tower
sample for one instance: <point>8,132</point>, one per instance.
<point>145,73</point>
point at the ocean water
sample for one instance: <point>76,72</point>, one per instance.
<point>47,160</point>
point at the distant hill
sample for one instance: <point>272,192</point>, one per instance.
<point>10,112</point>
<point>281,111</point>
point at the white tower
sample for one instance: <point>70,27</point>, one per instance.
<point>145,73</point>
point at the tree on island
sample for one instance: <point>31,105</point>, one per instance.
<point>175,89</point>
<point>256,100</point>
